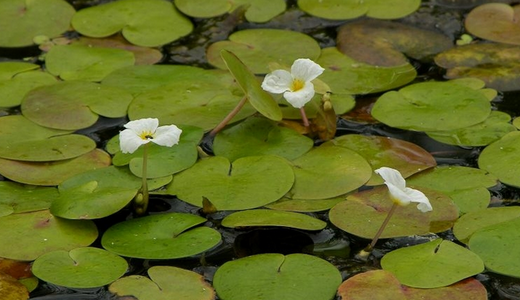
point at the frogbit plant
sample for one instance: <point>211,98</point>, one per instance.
<point>141,132</point>
<point>296,85</point>
<point>401,196</point>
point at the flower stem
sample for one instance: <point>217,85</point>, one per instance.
<point>141,207</point>
<point>380,231</point>
<point>230,116</point>
<point>304,117</point>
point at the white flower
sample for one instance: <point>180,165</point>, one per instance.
<point>401,194</point>
<point>143,131</point>
<point>296,86</point>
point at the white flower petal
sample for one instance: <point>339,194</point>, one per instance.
<point>129,141</point>
<point>305,69</point>
<point>299,98</point>
<point>397,195</point>
<point>277,82</point>
<point>143,125</point>
<point>167,135</point>
<point>393,176</point>
<point>417,196</point>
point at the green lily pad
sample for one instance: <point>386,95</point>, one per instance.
<point>198,97</point>
<point>53,173</point>
<point>166,236</point>
<point>256,48</point>
<point>163,161</point>
<point>17,79</point>
<point>476,220</point>
<point>363,213</point>
<point>259,136</point>
<point>328,171</point>
<point>466,186</point>
<point>352,9</point>
<point>33,234</point>
<point>363,78</point>
<point>74,105</point>
<point>248,182</point>
<point>496,64</point>
<point>95,194</point>
<point>498,246</point>
<point>23,140</point>
<point>298,205</point>
<point>384,43</point>
<point>80,267</point>
<point>516,122</point>
<point>257,10</point>
<point>432,106</point>
<point>23,20</point>
<point>491,129</point>
<point>145,23</point>
<point>434,264</point>
<point>502,159</point>
<point>262,101</point>
<point>385,285</point>
<point>496,22</point>
<point>187,285</point>
<point>380,151</point>
<point>267,217</point>
<point>22,198</point>
<point>142,55</point>
<point>275,276</point>
<point>77,62</point>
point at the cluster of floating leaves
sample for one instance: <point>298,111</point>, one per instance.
<point>262,166</point>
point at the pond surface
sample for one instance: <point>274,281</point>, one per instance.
<point>331,244</point>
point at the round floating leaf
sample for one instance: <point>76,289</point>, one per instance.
<point>516,122</point>
<point>248,182</point>
<point>262,101</point>
<point>363,78</point>
<point>77,62</point>
<point>473,221</point>
<point>259,136</point>
<point>163,161</point>
<point>79,268</point>
<point>499,247</point>
<point>491,129</point>
<point>74,105</point>
<point>275,276</point>
<point>466,186</point>
<point>384,43</point>
<point>148,23</point>
<point>256,48</point>
<point>496,64</point>
<point>166,236</point>
<point>267,217</point>
<point>17,79</point>
<point>199,98</point>
<point>21,139</point>
<point>33,234</point>
<point>22,20</point>
<point>351,9</point>
<point>495,22</point>
<point>430,106</point>
<point>53,173</point>
<point>384,285</point>
<point>328,171</point>
<point>434,264</point>
<point>502,159</point>
<point>256,10</point>
<point>142,55</point>
<point>380,151</point>
<point>22,198</point>
<point>187,285</point>
<point>298,205</point>
<point>364,212</point>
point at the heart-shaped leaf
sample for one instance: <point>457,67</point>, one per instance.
<point>496,22</point>
<point>248,182</point>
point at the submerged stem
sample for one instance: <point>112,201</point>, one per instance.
<point>304,117</point>
<point>141,207</point>
<point>230,116</point>
<point>380,231</point>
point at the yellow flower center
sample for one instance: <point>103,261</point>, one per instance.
<point>146,135</point>
<point>297,85</point>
